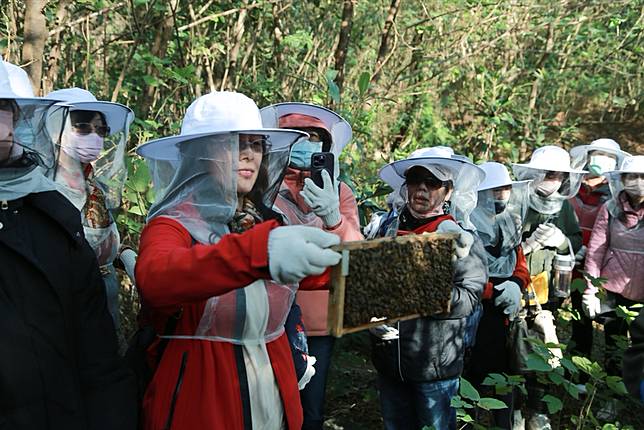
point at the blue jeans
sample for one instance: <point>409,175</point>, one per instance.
<point>413,405</point>
<point>312,396</point>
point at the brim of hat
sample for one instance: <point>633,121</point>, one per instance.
<point>491,187</point>
<point>550,169</point>
<point>394,173</point>
<point>619,172</point>
<point>167,148</point>
<point>116,115</point>
<point>580,150</point>
<point>338,126</point>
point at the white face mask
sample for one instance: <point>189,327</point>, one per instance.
<point>83,147</point>
<point>600,164</point>
<point>548,186</point>
<point>634,187</point>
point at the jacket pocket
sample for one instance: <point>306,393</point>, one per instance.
<point>176,391</point>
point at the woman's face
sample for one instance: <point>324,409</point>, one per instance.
<point>251,150</point>
<point>6,129</point>
<point>425,193</point>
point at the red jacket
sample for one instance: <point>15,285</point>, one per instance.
<point>174,274</point>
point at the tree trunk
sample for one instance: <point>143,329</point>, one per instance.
<point>238,34</point>
<point>55,52</point>
<point>35,36</point>
<point>343,42</point>
<point>384,39</point>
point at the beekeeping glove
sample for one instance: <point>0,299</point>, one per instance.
<point>383,331</point>
<point>549,235</point>
<point>464,241</point>
<point>531,244</point>
<point>510,298</point>
<point>308,373</point>
<point>295,252</point>
<point>324,202</point>
<point>590,303</point>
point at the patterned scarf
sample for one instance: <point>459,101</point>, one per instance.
<point>246,218</point>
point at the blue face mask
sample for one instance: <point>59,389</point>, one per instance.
<point>301,153</point>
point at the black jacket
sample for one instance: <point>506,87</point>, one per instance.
<point>634,357</point>
<point>432,348</point>
<point>59,366</point>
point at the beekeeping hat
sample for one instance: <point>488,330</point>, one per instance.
<point>14,82</point>
<point>440,161</point>
<point>496,175</point>
<point>219,112</point>
<point>117,116</point>
<point>301,115</point>
<point>550,158</point>
<point>579,154</point>
<point>30,133</point>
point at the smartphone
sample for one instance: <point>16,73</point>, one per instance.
<point>321,161</point>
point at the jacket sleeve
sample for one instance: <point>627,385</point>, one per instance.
<point>634,357</point>
<point>598,244</point>
<point>349,227</point>
<point>470,277</point>
<point>108,387</point>
<point>521,274</point>
<point>171,270</point>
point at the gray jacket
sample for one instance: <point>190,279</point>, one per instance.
<point>432,348</point>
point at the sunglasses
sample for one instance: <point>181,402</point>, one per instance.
<point>417,177</point>
<point>87,128</point>
<point>258,146</point>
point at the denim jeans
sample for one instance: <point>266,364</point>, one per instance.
<point>312,396</point>
<point>413,405</point>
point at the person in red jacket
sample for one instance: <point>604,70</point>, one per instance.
<point>498,218</point>
<point>332,208</point>
<point>214,255</point>
<point>601,156</point>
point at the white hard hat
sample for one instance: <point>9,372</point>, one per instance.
<point>219,112</point>
<point>550,158</point>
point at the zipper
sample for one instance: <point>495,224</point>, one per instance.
<point>399,366</point>
<point>177,389</point>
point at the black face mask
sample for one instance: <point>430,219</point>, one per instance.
<point>500,205</point>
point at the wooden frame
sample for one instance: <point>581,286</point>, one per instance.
<point>340,272</point>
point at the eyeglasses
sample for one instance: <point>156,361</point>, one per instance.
<point>417,177</point>
<point>87,128</point>
<point>258,146</point>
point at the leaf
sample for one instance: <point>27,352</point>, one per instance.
<point>363,82</point>
<point>579,285</point>
<point>554,404</point>
<point>488,403</point>
<point>457,402</point>
<point>615,383</point>
<point>537,363</point>
<point>468,391</point>
<point>137,210</point>
<point>334,91</point>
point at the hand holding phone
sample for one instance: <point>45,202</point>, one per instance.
<point>321,161</point>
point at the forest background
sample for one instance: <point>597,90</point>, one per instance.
<point>492,79</point>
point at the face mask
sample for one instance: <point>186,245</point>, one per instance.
<point>600,164</point>
<point>500,205</point>
<point>83,147</point>
<point>301,153</point>
<point>634,187</point>
<point>547,187</point>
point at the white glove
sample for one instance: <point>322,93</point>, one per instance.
<point>295,252</point>
<point>464,241</point>
<point>549,235</point>
<point>580,255</point>
<point>308,373</point>
<point>590,303</point>
<point>324,202</point>
<point>531,244</point>
<point>509,299</point>
<point>384,331</point>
